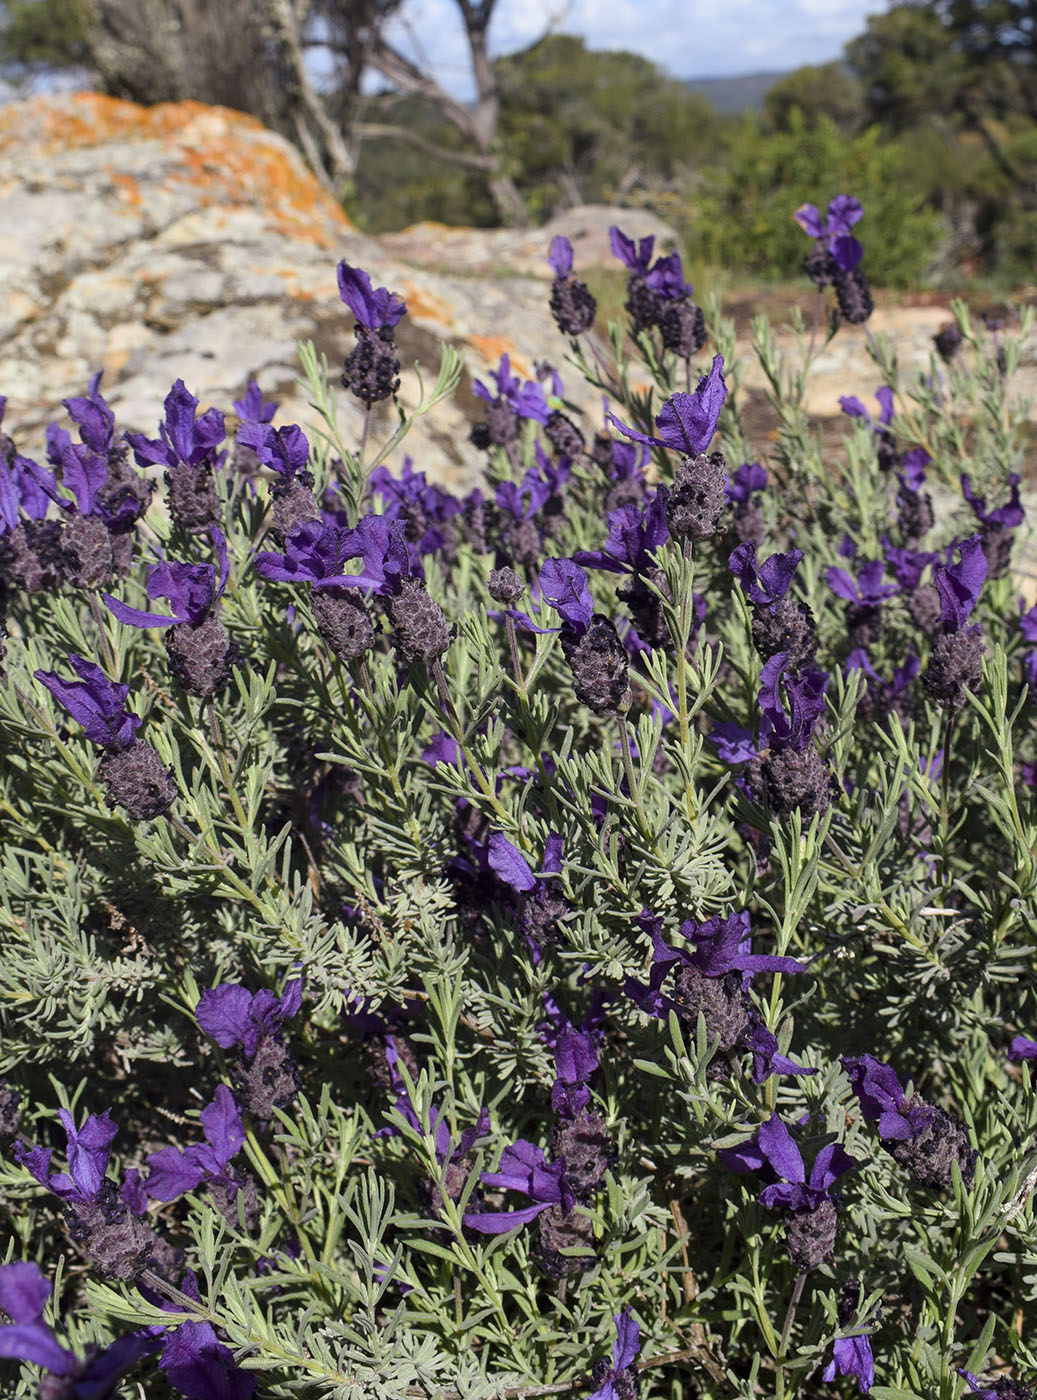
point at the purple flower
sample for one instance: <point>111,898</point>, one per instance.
<point>851,1356</point>
<point>23,1293</point>
<point>252,408</point>
<point>422,507</point>
<point>524,400</point>
<point>316,554</point>
<point>867,590</point>
<point>810,1216</point>
<point>769,583</point>
<point>374,308</point>
<point>686,422</point>
<point>576,1059</point>
<point>843,212</point>
<point>852,405</point>
<point>633,535</point>
<point>624,1350</point>
<point>183,438</point>
<point>284,450</point>
<point>804,696</point>
<point>92,416</point>
<point>20,491</point>
<point>1022,1049</point>
<point>634,257</point>
<point>523,1168</point>
<point>564,586</point>
<point>95,702</point>
<point>560,257</point>
<point>509,864</point>
<point>959,585</point>
<point>747,478</point>
<point>201,1367</point>
<point>192,590</point>
<point>173,1173</point>
<point>232,1015</point>
<point>1009,515</point>
<point>773,1146</point>
<point>87,1151</point>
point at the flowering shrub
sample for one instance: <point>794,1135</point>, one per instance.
<point>577,937</point>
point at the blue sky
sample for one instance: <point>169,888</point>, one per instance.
<point>689,38</point>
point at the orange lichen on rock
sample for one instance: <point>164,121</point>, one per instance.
<point>421,302</point>
<point>225,156</point>
<point>492,347</point>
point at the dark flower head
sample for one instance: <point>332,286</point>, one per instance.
<point>95,702</point>
<point>852,291</point>
<point>184,439</point>
<point>191,589</point>
<point>686,422</point>
<point>959,585</point>
<point>375,308</point>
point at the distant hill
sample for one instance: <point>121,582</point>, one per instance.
<point>733,95</point>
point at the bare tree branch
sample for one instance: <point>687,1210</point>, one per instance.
<point>414,138</point>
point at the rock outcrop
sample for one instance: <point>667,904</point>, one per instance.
<point>185,241</point>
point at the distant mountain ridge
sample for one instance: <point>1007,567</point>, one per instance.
<point>732,95</point>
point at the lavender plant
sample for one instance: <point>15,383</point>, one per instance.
<point>573,938</point>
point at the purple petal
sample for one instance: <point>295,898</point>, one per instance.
<point>1020,1049</point>
<point>843,212</point>
<point>88,1149</point>
<point>960,585</point>
<point>221,1123</point>
<point>173,1173</point>
<point>23,1291</point>
<point>224,1013</point>
<point>809,219</point>
<point>564,586</point>
<point>628,1340</point>
<point>687,422</point>
<point>500,1222</point>
<point>846,252</point>
<point>34,1342</point>
<point>560,257</point>
<point>201,1367</point>
<point>509,864</point>
<point>134,617</point>
<point>781,1152</point>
